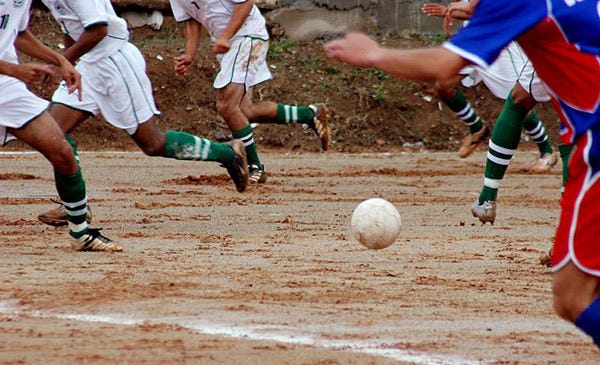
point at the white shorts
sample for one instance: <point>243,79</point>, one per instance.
<point>18,106</point>
<point>245,63</point>
<point>511,66</point>
<point>116,87</point>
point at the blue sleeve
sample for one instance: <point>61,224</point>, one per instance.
<point>493,26</point>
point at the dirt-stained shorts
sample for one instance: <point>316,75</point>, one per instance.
<point>116,87</point>
<point>578,233</point>
<point>245,63</point>
<point>511,66</point>
<point>18,106</point>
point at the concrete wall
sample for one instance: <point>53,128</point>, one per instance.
<point>302,18</point>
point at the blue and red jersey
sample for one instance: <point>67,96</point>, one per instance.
<point>560,37</point>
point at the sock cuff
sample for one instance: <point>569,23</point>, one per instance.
<point>242,132</point>
<point>589,320</point>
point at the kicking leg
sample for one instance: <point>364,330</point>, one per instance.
<point>185,146</point>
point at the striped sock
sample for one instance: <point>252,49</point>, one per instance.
<point>502,147</point>
<point>71,189</point>
<point>247,137</point>
<point>461,107</point>
<point>294,114</point>
<point>184,146</point>
<point>535,129</point>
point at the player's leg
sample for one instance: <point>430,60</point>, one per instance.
<point>44,135</point>
<point>229,99</point>
<point>576,287</point>
<point>479,131</point>
<point>577,299</point>
<point>529,90</point>
<point>68,111</point>
<point>502,146</point>
<point>185,146</point>
<point>315,116</point>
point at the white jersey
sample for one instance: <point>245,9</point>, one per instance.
<point>214,15</point>
<point>74,16</point>
<point>14,18</point>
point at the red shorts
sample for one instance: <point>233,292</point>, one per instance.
<point>578,233</point>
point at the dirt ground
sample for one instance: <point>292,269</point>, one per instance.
<point>273,275</point>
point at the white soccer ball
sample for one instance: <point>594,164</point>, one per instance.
<point>376,223</point>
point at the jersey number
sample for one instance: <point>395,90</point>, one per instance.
<point>4,21</point>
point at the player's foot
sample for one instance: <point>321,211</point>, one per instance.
<point>472,140</point>
<point>57,217</point>
<point>93,240</point>
<point>544,163</point>
<point>238,167</point>
<point>258,175</point>
<point>485,212</point>
<point>546,258</point>
<point>321,125</point>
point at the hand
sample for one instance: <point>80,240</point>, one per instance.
<point>32,73</point>
<point>183,63</point>
<point>438,10</point>
<point>457,10</point>
<point>355,48</point>
<point>71,76</point>
<point>51,81</point>
<point>222,45</point>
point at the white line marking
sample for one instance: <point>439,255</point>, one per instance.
<point>276,333</point>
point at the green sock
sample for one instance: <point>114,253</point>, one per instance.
<point>247,137</point>
<point>461,107</point>
<point>565,152</point>
<point>73,146</point>
<point>535,129</point>
<point>71,189</point>
<point>502,147</point>
<point>184,146</point>
<point>294,114</point>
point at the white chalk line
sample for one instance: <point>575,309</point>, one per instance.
<point>275,333</point>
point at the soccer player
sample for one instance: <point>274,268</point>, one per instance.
<point>240,43</point>
<point>23,115</point>
<point>115,85</point>
<point>512,78</point>
<point>562,39</point>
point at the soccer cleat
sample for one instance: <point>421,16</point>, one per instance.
<point>321,125</point>
<point>546,258</point>
<point>93,240</point>
<point>472,140</point>
<point>258,175</point>
<point>544,163</point>
<point>485,212</point>
<point>238,167</point>
<point>57,217</point>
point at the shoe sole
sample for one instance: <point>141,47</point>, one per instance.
<point>240,152</point>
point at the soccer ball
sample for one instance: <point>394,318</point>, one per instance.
<point>376,223</point>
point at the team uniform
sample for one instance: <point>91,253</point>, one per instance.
<point>570,30</point>
<point>18,106</point>
<point>114,79</point>
<point>245,62</point>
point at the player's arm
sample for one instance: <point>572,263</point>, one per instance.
<point>238,18</point>
<point>27,43</point>
<point>28,73</point>
<point>425,64</point>
<point>193,32</point>
<point>91,36</point>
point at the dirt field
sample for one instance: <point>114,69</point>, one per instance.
<point>273,275</point>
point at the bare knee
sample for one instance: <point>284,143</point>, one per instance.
<point>63,159</point>
<point>226,108</point>
<point>573,291</point>
<point>522,98</point>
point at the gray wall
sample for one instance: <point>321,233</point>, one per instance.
<point>384,15</point>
